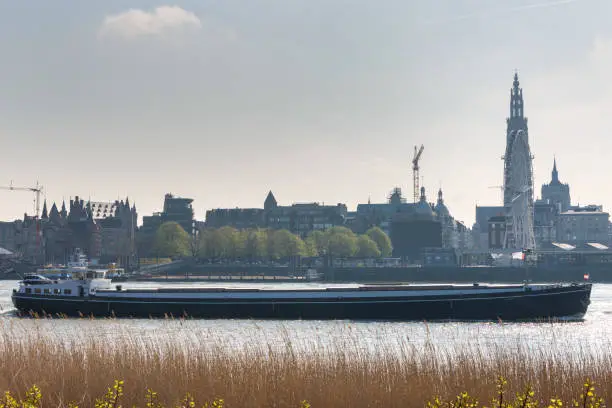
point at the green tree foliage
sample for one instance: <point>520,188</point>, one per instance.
<point>204,241</point>
<point>382,240</point>
<point>367,248</point>
<point>318,242</point>
<point>225,242</point>
<point>234,240</point>
<point>171,240</point>
<point>342,242</point>
<point>309,248</point>
<point>286,244</point>
<point>213,244</point>
<point>255,244</point>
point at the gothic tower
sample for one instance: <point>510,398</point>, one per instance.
<point>556,192</point>
<point>514,123</point>
<point>518,177</point>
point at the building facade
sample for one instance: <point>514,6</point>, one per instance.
<point>583,225</point>
<point>545,221</point>
<point>179,210</point>
<point>497,232</point>
<point>7,235</point>
<point>118,224</point>
<point>481,230</point>
<point>414,228</point>
<point>303,218</point>
<point>55,236</point>
<point>299,218</point>
<point>176,209</point>
<point>239,218</point>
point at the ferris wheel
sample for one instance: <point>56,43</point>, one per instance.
<point>519,185</point>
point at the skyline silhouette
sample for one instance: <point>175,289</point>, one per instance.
<point>316,101</point>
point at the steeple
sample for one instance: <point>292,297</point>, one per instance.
<point>555,173</point>
<point>556,192</point>
<point>63,212</point>
<point>516,99</point>
<point>516,123</point>
<point>53,214</point>
<point>440,198</point>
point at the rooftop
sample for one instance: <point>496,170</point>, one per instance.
<point>571,212</point>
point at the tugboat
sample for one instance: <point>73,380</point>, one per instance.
<point>90,293</point>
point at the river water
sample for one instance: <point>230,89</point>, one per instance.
<point>590,335</point>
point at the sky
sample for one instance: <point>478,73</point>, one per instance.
<point>316,100</point>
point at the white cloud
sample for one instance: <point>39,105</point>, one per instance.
<point>135,23</point>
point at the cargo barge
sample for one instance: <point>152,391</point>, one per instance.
<point>93,294</point>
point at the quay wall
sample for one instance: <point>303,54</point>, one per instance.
<point>597,273</point>
<point>468,274</point>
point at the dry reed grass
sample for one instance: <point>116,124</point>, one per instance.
<point>336,374</point>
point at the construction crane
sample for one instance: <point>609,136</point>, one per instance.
<point>415,171</point>
<point>37,190</point>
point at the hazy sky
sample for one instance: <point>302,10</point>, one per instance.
<point>317,100</point>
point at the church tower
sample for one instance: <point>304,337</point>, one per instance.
<point>517,119</point>
<point>518,176</point>
<point>514,123</point>
<point>556,192</point>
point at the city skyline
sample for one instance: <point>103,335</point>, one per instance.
<point>314,101</point>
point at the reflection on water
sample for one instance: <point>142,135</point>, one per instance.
<point>592,334</point>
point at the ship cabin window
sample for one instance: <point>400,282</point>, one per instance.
<point>94,275</point>
<point>67,291</point>
<point>28,290</point>
<point>37,290</point>
<point>46,291</point>
<point>57,291</point>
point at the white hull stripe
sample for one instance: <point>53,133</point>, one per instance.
<point>335,300</point>
<point>304,294</point>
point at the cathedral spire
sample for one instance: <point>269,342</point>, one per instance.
<point>516,83</point>
<point>516,99</point>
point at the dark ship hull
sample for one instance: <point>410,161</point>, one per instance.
<point>437,302</point>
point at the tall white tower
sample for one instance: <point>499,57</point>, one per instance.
<point>518,176</point>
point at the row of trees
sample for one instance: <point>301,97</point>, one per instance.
<point>257,244</point>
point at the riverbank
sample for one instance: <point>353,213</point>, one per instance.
<point>183,270</point>
<point>277,373</point>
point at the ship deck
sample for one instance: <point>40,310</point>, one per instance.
<point>362,288</point>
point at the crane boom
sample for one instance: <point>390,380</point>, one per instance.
<point>37,190</point>
<point>415,171</point>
